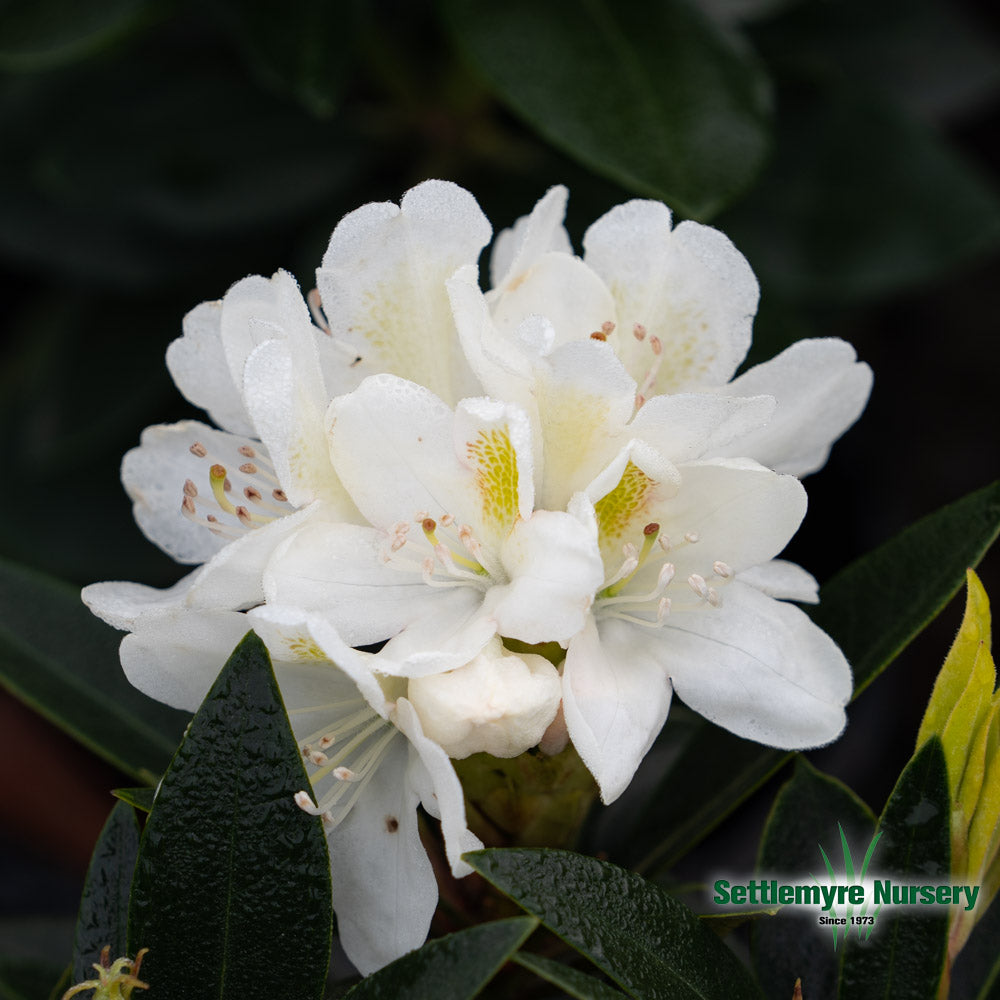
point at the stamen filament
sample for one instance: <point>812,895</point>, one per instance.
<point>345,750</point>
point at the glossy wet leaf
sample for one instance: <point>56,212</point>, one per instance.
<point>103,917</point>
<point>572,981</point>
<point>454,967</point>
<point>48,33</point>
<point>63,662</point>
<point>809,810</point>
<point>232,886</point>
<point>653,96</point>
<point>645,940</point>
<point>915,574</point>
<point>904,958</point>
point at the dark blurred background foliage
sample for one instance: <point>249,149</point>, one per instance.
<point>154,152</point>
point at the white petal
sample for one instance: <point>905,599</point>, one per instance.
<point>154,475</point>
<point>555,567</point>
<point>337,571</point>
<point>258,309</point>
<point>821,389</point>
<point>500,362</point>
<point>563,290</point>
<point>759,668</point>
<point>383,283</point>
<point>175,656</point>
<point>197,363</point>
<point>689,287</point>
<point>286,397</point>
<point>626,496</point>
<point>391,443</point>
<point>783,581</point>
<point>304,646</point>
<point>399,450</point>
<point>493,442</point>
<point>447,801</point>
<point>384,890</point>
<point>743,515</point>
<point>449,633</point>
<point>121,605</point>
<point>517,248</point>
<point>585,398</point>
<point>684,426</point>
<point>233,577</point>
<point>615,698</point>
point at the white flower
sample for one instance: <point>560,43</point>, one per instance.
<point>266,372</point>
<point>410,462</point>
<point>675,307</point>
<point>454,551</point>
<point>226,497</point>
<point>688,553</point>
<point>370,763</point>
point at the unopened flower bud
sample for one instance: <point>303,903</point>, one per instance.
<point>499,703</point>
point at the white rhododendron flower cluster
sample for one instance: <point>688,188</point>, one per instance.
<point>469,521</point>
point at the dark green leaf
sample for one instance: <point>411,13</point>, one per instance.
<point>141,798</point>
<point>915,575</point>
<point>29,978</point>
<point>811,808</point>
<point>653,96</point>
<point>930,56</point>
<point>574,982</point>
<point>56,656</point>
<point>103,916</point>
<point>48,33</point>
<point>647,941</point>
<point>714,773</point>
<point>232,886</point>
<point>455,967</point>
<point>860,200</point>
<point>308,50</point>
<point>208,171</point>
<point>905,956</point>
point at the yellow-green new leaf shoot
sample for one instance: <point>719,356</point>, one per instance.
<point>975,766</point>
<point>959,681</point>
<point>968,716</point>
<point>984,831</point>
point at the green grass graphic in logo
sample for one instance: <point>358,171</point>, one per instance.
<point>857,920</point>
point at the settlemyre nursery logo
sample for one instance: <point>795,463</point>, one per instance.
<point>850,900</point>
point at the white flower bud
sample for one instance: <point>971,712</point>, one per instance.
<point>499,703</point>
